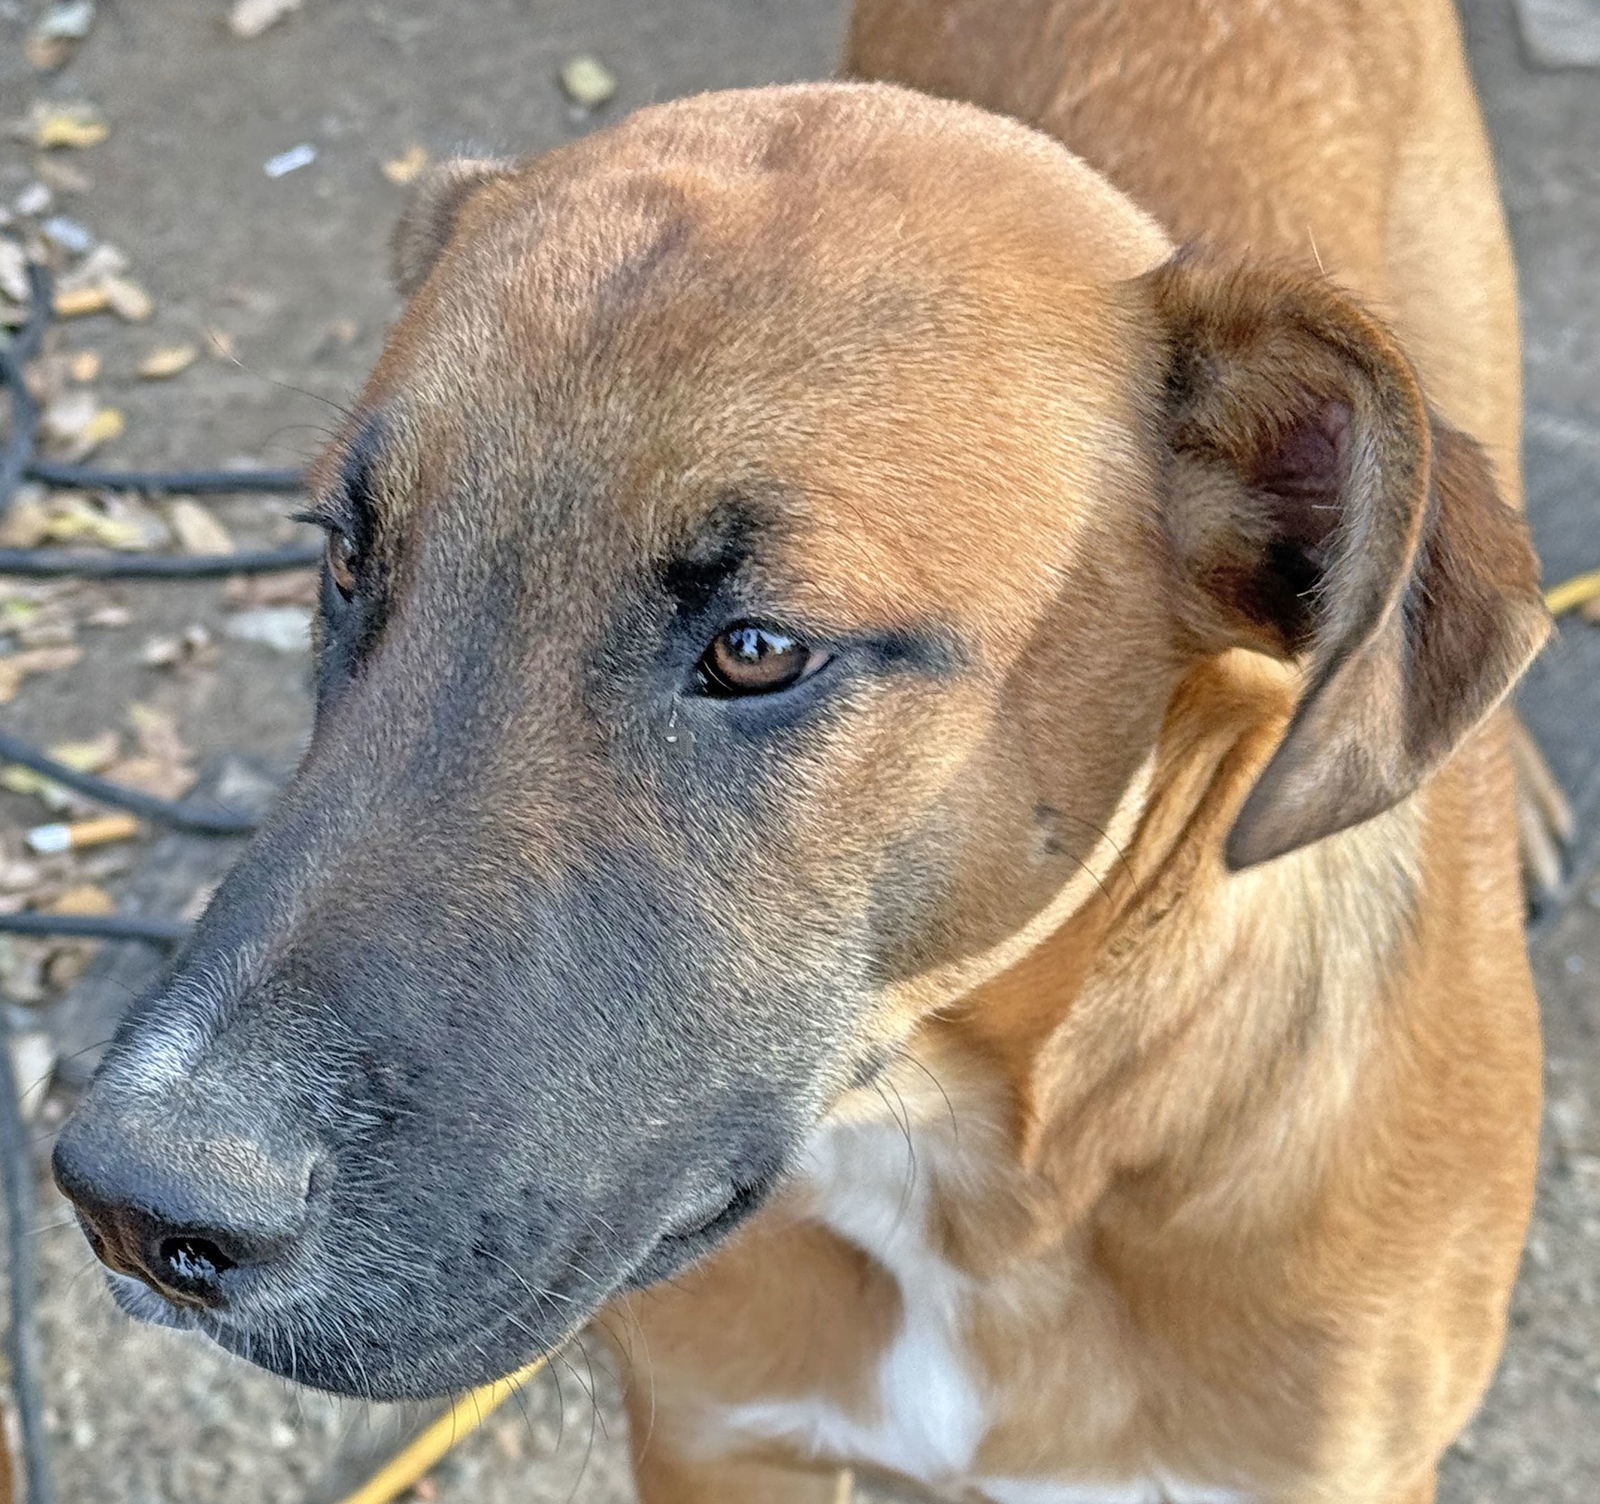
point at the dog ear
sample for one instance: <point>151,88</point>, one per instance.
<point>430,216</point>
<point>1327,516</point>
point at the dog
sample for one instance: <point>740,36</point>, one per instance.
<point>909,793</point>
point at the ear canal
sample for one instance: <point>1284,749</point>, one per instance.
<point>429,218</point>
<point>1326,515</point>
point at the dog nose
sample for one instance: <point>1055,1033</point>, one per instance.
<point>186,1219</point>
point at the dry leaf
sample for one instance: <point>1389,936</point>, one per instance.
<point>127,299</point>
<point>166,780</point>
<point>15,667</point>
<point>168,360</point>
<point>197,530</point>
<point>157,732</point>
<point>62,175</point>
<point>408,166</point>
<point>68,125</point>
<point>83,898</point>
<point>291,587</point>
<point>107,424</point>
<point>49,53</point>
<point>25,526</point>
<point>84,365</point>
<point>93,755</point>
<point>249,18</point>
<point>75,519</point>
<point>71,302</point>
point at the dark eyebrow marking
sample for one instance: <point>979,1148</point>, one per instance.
<point>346,502</point>
<point>719,548</point>
<point>354,476</point>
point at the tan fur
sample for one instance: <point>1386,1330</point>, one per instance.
<point>1234,1167</point>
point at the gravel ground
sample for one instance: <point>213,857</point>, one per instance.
<point>289,274</point>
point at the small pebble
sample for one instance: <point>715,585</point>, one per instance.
<point>289,161</point>
<point>587,81</point>
<point>68,235</point>
<point>35,199</point>
<point>284,629</point>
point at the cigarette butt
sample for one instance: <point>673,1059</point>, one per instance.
<point>46,840</point>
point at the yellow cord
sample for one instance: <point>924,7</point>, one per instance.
<point>1578,591</point>
<point>465,1415</point>
<point>413,1461</point>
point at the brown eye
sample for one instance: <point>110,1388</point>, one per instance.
<point>749,659</point>
<point>342,561</point>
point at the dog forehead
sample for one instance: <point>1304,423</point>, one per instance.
<point>885,306</point>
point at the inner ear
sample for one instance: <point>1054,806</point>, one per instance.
<point>1302,474</point>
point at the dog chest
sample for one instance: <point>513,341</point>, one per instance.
<point>873,1184</point>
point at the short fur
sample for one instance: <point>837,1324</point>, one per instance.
<point>1139,860</point>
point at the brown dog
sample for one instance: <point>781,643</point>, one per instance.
<point>1198,1185</point>
<point>864,694</point>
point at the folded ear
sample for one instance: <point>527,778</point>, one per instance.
<point>430,216</point>
<point>1325,515</point>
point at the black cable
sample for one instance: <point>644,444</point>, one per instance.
<point>22,1333</point>
<point>205,820</point>
<point>52,563</point>
<point>162,932</point>
<point>17,453</point>
<point>197,482</point>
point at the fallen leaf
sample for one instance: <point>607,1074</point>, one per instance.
<point>49,53</point>
<point>92,755</point>
<point>73,126</point>
<point>107,424</point>
<point>168,360</point>
<point>15,667</point>
<point>127,299</point>
<point>249,18</point>
<point>197,530</point>
<point>166,780</point>
<point>587,81</point>
<point>157,732</point>
<point>83,898</point>
<point>84,365</point>
<point>290,587</point>
<point>408,166</point>
<point>72,302</point>
<point>62,175</point>
<point>18,876</point>
<point>26,525</point>
<point>76,519</point>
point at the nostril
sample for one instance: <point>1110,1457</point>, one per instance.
<point>192,1263</point>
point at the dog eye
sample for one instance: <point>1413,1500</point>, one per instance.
<point>343,561</point>
<point>751,659</point>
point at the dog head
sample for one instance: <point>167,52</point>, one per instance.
<point>758,569</point>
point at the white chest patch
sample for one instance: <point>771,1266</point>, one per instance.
<point>1150,1491</point>
<point>930,1413</point>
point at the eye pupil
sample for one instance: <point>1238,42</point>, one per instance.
<point>343,560</point>
<point>749,658</point>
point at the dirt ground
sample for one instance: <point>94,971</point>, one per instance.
<point>280,284</point>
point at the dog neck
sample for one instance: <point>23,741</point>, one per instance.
<point>1153,1037</point>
